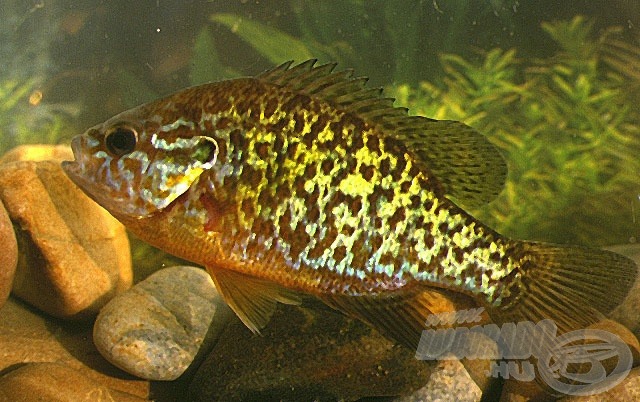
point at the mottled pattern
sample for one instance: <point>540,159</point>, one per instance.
<point>346,209</point>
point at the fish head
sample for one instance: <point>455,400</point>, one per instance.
<point>134,165</point>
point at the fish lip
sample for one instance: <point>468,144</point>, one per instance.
<point>73,168</point>
<point>75,146</point>
<point>75,172</point>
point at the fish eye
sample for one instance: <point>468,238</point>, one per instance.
<point>121,140</point>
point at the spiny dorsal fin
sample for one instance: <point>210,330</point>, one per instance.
<point>253,300</point>
<point>470,168</point>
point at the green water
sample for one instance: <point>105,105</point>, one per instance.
<point>554,84</point>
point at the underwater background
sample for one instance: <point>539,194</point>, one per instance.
<point>554,85</point>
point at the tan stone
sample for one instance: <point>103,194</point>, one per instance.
<point>625,335</point>
<point>450,381</point>
<point>74,257</point>
<point>8,255</point>
<point>39,152</point>
<point>56,382</point>
<point>516,391</point>
<point>627,391</point>
<point>628,312</point>
<point>29,337</point>
<point>155,329</point>
<point>520,391</point>
<point>306,354</point>
<point>444,301</point>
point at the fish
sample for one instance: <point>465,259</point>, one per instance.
<point>303,181</point>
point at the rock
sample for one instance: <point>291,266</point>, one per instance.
<point>520,391</point>
<point>628,312</point>
<point>625,335</point>
<point>155,329</point>
<point>627,391</point>
<point>8,256</point>
<point>28,336</point>
<point>56,382</point>
<point>479,370</point>
<point>449,382</point>
<point>447,303</point>
<point>516,391</point>
<point>307,354</point>
<point>73,256</point>
<point>38,152</point>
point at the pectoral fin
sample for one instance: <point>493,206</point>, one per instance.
<point>252,299</point>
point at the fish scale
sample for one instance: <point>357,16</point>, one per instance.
<point>303,180</point>
<point>329,192</point>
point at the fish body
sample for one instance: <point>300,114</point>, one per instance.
<point>303,180</point>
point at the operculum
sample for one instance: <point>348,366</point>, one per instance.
<point>175,167</point>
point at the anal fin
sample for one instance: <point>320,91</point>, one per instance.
<point>253,299</point>
<point>400,315</point>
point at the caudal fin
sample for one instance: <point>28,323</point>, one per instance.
<point>574,286</point>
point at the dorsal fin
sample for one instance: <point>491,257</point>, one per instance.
<point>470,168</point>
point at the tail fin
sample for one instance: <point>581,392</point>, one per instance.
<point>574,286</point>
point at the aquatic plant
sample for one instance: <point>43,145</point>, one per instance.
<point>25,117</point>
<point>567,128</point>
<point>23,120</point>
<point>384,39</point>
<point>565,122</point>
<point>205,63</point>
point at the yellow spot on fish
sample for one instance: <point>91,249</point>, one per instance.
<point>355,185</point>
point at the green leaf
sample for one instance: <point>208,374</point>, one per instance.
<point>272,43</point>
<point>205,65</point>
<point>12,93</point>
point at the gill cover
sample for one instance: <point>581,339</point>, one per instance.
<point>169,172</point>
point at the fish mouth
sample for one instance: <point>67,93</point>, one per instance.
<point>73,169</point>
<point>76,171</point>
